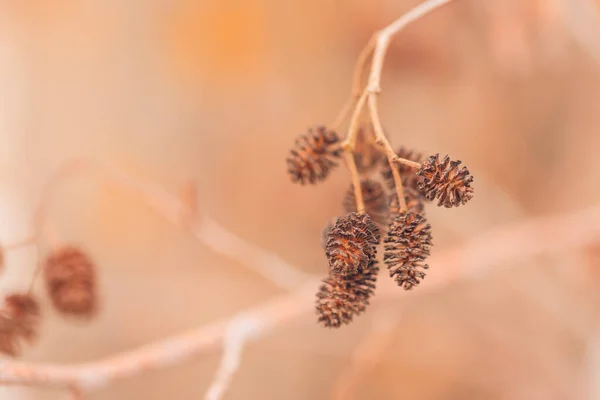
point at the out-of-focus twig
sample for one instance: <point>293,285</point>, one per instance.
<point>366,356</point>
<point>180,213</point>
<point>545,235</point>
<point>240,330</point>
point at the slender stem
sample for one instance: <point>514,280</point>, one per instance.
<point>408,163</point>
<point>349,145</point>
<point>385,35</point>
<point>356,82</point>
<point>374,85</point>
<point>360,66</point>
<point>26,241</point>
<point>392,157</point>
<point>351,164</point>
<point>353,128</point>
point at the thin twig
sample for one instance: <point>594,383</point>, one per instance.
<point>545,235</point>
<point>359,67</point>
<point>20,243</point>
<point>206,230</point>
<point>240,330</point>
<point>349,145</point>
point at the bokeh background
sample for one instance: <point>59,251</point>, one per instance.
<point>215,91</point>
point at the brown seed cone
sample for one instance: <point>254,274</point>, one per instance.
<point>367,155</point>
<point>313,156</point>
<point>352,244</point>
<point>19,321</point>
<point>415,201</point>
<point>445,181</point>
<point>375,200</point>
<point>71,281</point>
<point>341,298</point>
<point>325,233</point>
<point>406,248</point>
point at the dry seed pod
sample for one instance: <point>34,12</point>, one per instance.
<point>406,248</point>
<point>325,233</point>
<point>352,244</point>
<point>71,281</point>
<point>375,200</point>
<point>366,154</point>
<point>313,156</point>
<point>445,181</point>
<point>340,298</point>
<point>19,321</point>
<point>415,200</point>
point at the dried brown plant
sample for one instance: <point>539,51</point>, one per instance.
<point>340,298</point>
<point>313,156</point>
<point>375,198</point>
<point>352,244</point>
<point>19,321</point>
<point>445,181</point>
<point>406,248</point>
<point>367,156</point>
<point>70,278</point>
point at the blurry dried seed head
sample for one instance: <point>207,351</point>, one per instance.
<point>19,321</point>
<point>406,248</point>
<point>325,233</point>
<point>352,244</point>
<point>415,200</point>
<point>341,298</point>
<point>313,156</point>
<point>375,199</point>
<point>367,155</point>
<point>71,281</point>
<point>445,181</point>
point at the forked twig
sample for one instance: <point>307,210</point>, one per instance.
<point>546,235</point>
<point>379,44</point>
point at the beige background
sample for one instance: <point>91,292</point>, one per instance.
<point>216,91</point>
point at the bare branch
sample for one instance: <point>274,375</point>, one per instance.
<point>546,235</point>
<point>240,330</point>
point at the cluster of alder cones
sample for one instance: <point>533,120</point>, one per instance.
<point>351,241</point>
<point>70,281</point>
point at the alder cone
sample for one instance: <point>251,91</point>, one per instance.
<point>352,244</point>
<point>406,248</point>
<point>71,281</point>
<point>445,181</point>
<point>19,322</point>
<point>367,156</point>
<point>313,156</point>
<point>341,298</point>
<point>415,201</point>
<point>374,198</point>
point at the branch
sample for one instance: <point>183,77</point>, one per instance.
<point>240,330</point>
<point>545,235</point>
<point>173,209</point>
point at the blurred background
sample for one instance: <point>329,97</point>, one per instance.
<point>215,92</point>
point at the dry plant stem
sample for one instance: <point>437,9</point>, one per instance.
<point>26,241</point>
<point>501,246</point>
<point>241,330</point>
<point>351,164</point>
<point>356,82</point>
<point>349,145</point>
<point>206,230</point>
<point>374,84</point>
